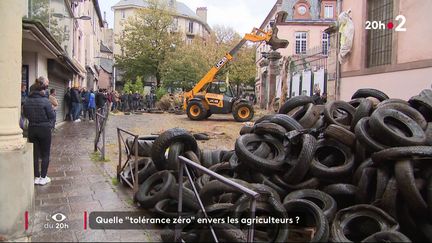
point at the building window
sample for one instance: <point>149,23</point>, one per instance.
<point>328,12</point>
<point>301,42</point>
<point>379,44</point>
<point>191,27</point>
<point>123,14</point>
<point>325,43</point>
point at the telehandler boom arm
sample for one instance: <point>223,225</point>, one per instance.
<point>257,35</point>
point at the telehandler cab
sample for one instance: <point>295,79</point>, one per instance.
<point>210,96</point>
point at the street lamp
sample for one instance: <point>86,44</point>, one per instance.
<point>60,15</point>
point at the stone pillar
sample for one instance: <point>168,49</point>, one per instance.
<point>263,77</point>
<point>274,67</point>
<point>16,155</point>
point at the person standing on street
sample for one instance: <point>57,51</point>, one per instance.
<point>92,106</point>
<point>68,104</point>
<point>54,103</point>
<point>85,100</point>
<point>38,110</point>
<point>75,98</point>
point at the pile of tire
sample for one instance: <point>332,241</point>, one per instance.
<point>358,170</point>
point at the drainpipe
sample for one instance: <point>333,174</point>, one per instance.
<point>338,66</point>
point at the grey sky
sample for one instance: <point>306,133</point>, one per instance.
<point>242,15</point>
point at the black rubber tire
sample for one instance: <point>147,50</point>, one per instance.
<point>311,183</point>
<point>145,144</point>
<point>215,188</point>
<point>323,200</point>
<point>356,102</point>
<point>148,170</point>
<point>264,189</point>
<point>366,187</point>
<point>269,128</point>
<point>358,172</point>
<point>363,110</point>
<point>254,161</point>
<point>381,128</point>
<point>287,122</point>
<point>333,106</point>
<point>329,171</point>
<point>348,221</point>
<point>241,105</point>
<point>201,136</point>
<point>423,103</point>
<point>404,173</point>
<point>382,178</point>
<point>389,199</point>
<point>209,114</point>
<point>340,134</point>
<point>311,116</point>
<point>143,195</point>
<point>295,102</point>
<point>175,150</point>
<point>362,134</point>
<point>320,221</point>
<point>162,209</point>
<point>344,194</point>
<point>392,101</point>
<point>365,93</point>
<point>216,156</point>
<point>246,130</point>
<point>402,153</point>
<point>189,199</point>
<point>387,236</point>
<point>263,118</point>
<point>206,158</point>
<point>202,111</point>
<point>268,206</point>
<point>407,110</point>
<point>129,171</point>
<point>165,140</point>
<point>299,165</point>
<point>260,178</point>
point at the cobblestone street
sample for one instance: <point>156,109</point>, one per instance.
<point>79,185</point>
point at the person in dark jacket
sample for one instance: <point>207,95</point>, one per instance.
<point>75,98</point>
<point>85,96</point>
<point>68,104</point>
<point>40,114</point>
<point>100,99</point>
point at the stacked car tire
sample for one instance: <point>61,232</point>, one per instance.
<point>358,170</point>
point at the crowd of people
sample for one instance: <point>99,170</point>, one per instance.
<point>82,104</point>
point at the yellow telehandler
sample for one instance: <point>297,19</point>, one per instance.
<point>209,96</point>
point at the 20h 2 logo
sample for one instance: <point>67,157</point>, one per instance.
<point>56,221</point>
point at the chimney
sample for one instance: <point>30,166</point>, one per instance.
<point>202,13</point>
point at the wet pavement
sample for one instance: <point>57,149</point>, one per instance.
<point>79,185</point>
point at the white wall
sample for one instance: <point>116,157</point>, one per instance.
<point>29,58</point>
<point>403,85</point>
<point>41,66</point>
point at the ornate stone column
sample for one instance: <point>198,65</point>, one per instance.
<point>16,155</point>
<point>274,58</point>
<point>263,77</point>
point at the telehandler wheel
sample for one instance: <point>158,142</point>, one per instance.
<point>243,112</point>
<point>196,111</point>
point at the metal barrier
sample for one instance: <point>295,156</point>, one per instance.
<point>101,119</point>
<point>120,168</point>
<point>184,163</point>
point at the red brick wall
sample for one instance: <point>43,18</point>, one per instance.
<point>104,80</point>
